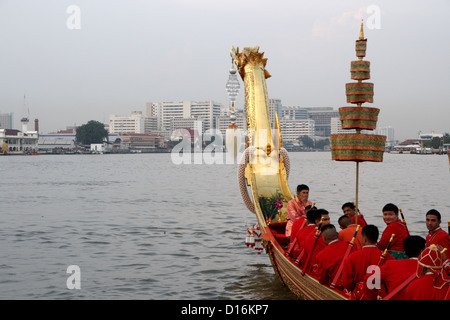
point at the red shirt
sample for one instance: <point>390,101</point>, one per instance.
<point>361,220</point>
<point>439,236</point>
<point>395,272</point>
<point>400,231</point>
<point>301,236</point>
<point>297,225</point>
<point>304,233</point>
<point>329,260</point>
<point>355,266</point>
<point>312,246</point>
<point>423,289</point>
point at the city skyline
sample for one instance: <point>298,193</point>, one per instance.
<point>111,57</point>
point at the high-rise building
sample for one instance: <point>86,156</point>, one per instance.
<point>6,120</point>
<point>294,113</point>
<point>206,111</point>
<point>322,119</point>
<point>275,107</point>
<point>127,124</point>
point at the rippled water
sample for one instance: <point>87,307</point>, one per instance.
<point>141,227</point>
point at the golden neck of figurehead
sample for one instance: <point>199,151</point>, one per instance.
<point>251,66</point>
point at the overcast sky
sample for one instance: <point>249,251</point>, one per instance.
<point>124,53</point>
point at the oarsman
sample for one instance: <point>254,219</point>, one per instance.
<point>330,258</point>
<point>313,242</point>
<point>349,209</point>
<point>300,222</point>
<point>302,234</point>
<point>348,230</point>
<point>355,266</point>
<point>393,226</point>
<point>432,282</point>
<point>393,273</point>
<point>296,207</point>
<point>436,235</point>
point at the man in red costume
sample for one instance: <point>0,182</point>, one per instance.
<point>330,258</point>
<point>393,226</point>
<point>300,222</point>
<point>312,242</point>
<point>436,234</point>
<point>349,209</point>
<point>357,263</point>
<point>303,233</point>
<point>432,281</point>
<point>395,272</point>
<point>296,207</point>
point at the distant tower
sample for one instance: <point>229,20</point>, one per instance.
<point>24,121</point>
<point>36,125</point>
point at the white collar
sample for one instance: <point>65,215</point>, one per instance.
<point>335,240</point>
<point>433,231</point>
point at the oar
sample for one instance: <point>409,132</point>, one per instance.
<point>403,220</point>
<point>349,248</point>
<point>383,255</point>
<point>316,236</point>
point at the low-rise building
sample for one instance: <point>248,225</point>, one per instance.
<point>15,141</point>
<point>142,141</point>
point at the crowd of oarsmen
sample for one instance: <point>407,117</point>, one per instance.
<point>397,266</point>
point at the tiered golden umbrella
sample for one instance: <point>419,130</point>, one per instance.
<point>358,147</point>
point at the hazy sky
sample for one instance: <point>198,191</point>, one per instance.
<point>129,52</point>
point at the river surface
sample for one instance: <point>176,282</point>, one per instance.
<point>139,226</point>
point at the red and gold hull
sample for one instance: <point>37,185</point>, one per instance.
<point>290,274</point>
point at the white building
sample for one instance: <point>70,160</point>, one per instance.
<point>389,133</point>
<point>14,141</point>
<point>336,127</point>
<point>291,129</point>
<point>127,124</point>
<point>206,111</point>
<point>296,113</point>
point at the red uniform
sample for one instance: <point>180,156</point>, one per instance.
<point>399,229</point>
<point>355,266</point>
<point>312,246</point>
<point>361,220</point>
<point>423,289</point>
<point>329,260</point>
<point>395,272</point>
<point>297,225</point>
<point>301,236</point>
<point>439,236</point>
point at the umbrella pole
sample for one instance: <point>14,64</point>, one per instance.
<point>356,198</point>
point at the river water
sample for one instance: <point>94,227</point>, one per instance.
<point>139,226</point>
